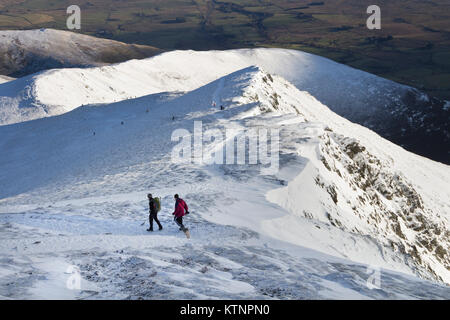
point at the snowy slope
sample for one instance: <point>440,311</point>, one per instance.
<point>24,52</point>
<point>4,79</point>
<point>344,199</point>
<point>399,113</point>
<point>188,70</point>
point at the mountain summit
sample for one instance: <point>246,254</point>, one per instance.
<point>25,52</point>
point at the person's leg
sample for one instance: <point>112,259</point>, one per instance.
<point>179,222</point>
<point>176,221</point>
<point>151,222</point>
<point>157,221</point>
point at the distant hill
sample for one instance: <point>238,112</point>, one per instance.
<point>30,51</point>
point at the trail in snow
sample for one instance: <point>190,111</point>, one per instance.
<point>219,262</point>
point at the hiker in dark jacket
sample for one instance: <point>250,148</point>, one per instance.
<point>153,213</point>
<point>180,207</point>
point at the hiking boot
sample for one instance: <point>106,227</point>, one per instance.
<point>149,229</point>
<point>160,228</point>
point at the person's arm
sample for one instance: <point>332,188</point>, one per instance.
<point>186,207</point>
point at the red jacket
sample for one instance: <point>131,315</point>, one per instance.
<point>180,206</point>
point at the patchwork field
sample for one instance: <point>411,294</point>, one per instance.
<point>413,46</point>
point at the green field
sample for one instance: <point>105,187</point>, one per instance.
<point>413,46</point>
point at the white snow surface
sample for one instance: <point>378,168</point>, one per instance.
<point>4,79</point>
<point>344,202</point>
<point>349,91</point>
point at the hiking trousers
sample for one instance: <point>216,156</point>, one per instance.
<point>154,216</point>
<point>179,222</point>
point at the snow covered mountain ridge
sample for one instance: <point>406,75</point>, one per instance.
<point>399,113</point>
<point>344,198</point>
<point>364,190</point>
<point>24,52</point>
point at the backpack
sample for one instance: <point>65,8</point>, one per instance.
<point>157,203</point>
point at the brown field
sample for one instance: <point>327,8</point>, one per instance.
<point>413,46</point>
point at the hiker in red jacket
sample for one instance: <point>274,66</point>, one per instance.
<point>180,207</point>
